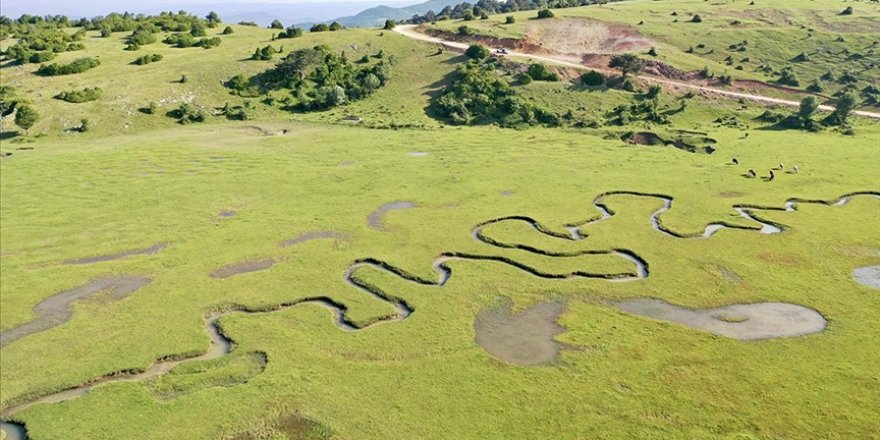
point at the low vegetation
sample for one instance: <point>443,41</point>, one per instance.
<point>79,96</point>
<point>77,66</point>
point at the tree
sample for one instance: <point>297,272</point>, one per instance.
<point>545,13</point>
<point>213,19</point>
<point>389,25</point>
<point>26,117</point>
<point>276,24</point>
<point>228,30</point>
<point>335,26</point>
<point>509,19</point>
<point>653,91</point>
<point>845,105</point>
<point>697,19</point>
<point>477,52</point>
<point>808,107</point>
<point>627,63</point>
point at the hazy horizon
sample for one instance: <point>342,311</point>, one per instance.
<point>305,9</point>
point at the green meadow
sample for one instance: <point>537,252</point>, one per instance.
<point>221,193</point>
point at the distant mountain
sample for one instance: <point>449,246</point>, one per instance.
<point>262,13</point>
<point>376,16</point>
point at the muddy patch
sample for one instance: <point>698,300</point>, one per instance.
<point>292,426</point>
<point>689,145</point>
<point>377,217</point>
<point>418,154</point>
<point>56,309</point>
<point>740,321</point>
<point>526,338</point>
<point>506,193</point>
<point>242,267</point>
<point>731,194</point>
<point>226,214</point>
<point>314,235</point>
<point>868,276</point>
<point>101,258</point>
<point>578,36</point>
<point>346,163</point>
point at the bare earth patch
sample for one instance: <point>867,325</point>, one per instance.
<point>55,310</point>
<point>868,276</point>
<point>101,258</point>
<point>242,267</point>
<point>375,219</point>
<point>314,235</point>
<point>418,153</point>
<point>738,321</point>
<point>579,36</point>
<point>522,339</point>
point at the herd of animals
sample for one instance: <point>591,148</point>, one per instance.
<point>772,175</point>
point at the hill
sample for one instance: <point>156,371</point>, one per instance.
<point>376,16</point>
<point>214,233</point>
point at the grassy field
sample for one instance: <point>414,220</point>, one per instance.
<point>775,33</point>
<point>224,192</point>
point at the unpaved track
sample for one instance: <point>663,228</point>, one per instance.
<point>411,32</point>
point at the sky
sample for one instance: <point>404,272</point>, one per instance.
<point>90,8</point>
<point>295,11</point>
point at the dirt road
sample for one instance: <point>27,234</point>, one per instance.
<point>411,32</point>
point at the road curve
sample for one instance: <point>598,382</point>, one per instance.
<point>411,32</point>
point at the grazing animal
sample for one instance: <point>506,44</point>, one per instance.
<point>794,169</point>
<point>772,176</point>
<point>734,161</point>
<point>781,165</point>
<point>752,173</point>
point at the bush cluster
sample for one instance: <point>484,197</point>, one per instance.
<point>147,59</point>
<point>478,94</point>
<point>79,96</point>
<point>318,79</point>
<point>187,113</point>
<point>76,66</point>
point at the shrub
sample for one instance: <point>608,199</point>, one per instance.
<point>545,13</point>
<point>509,19</point>
<point>697,19</point>
<point>847,11</point>
<point>180,40</point>
<point>198,30</point>
<point>653,52</point>
<point>248,23</point>
<point>264,54</point>
<point>291,32</point>
<point>653,91</point>
<point>787,77</point>
<point>276,24</point>
<point>79,96</point>
<point>208,43</point>
<point>26,117</point>
<point>187,113</point>
<point>77,66</point>
<point>335,26</point>
<point>228,30</point>
<point>593,78</point>
<point>84,125</point>
<point>106,32</point>
<point>540,72</point>
<point>141,37</point>
<point>816,87</point>
<point>627,63</point>
<point>726,79</point>
<point>41,57</point>
<point>389,25</point>
<point>706,73</point>
<point>523,79</point>
<point>320,27</point>
<point>464,30</point>
<point>147,59</point>
<point>477,52</point>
